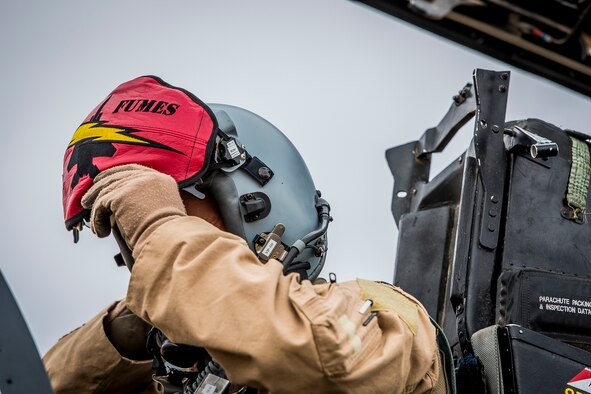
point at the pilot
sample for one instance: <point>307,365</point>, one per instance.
<point>219,221</point>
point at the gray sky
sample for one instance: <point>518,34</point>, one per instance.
<point>343,81</point>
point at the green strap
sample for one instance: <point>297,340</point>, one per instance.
<point>578,181</point>
<point>447,356</point>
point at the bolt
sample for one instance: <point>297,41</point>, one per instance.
<point>243,156</point>
<point>483,123</point>
<point>249,196</point>
<point>494,199</point>
<point>502,88</point>
<point>495,129</point>
<point>492,212</point>
<point>264,173</point>
<point>491,228</point>
<point>504,76</point>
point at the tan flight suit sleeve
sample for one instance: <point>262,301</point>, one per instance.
<point>205,287</point>
<point>85,361</point>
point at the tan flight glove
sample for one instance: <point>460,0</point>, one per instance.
<point>137,199</point>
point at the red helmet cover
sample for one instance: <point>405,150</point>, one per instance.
<point>143,121</point>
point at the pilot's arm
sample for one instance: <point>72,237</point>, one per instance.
<point>105,355</point>
<point>204,287</point>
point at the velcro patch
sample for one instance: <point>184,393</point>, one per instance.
<point>385,298</point>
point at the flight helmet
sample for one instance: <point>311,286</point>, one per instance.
<point>257,177</point>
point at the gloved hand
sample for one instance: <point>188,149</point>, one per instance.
<point>137,199</point>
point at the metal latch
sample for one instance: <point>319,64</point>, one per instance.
<point>230,152</point>
<point>269,245</point>
<point>517,138</point>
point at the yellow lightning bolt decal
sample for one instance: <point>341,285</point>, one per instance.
<point>97,132</point>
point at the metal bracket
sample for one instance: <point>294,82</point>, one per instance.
<point>461,111</point>
<point>410,163</point>
<point>491,94</point>
<point>519,139</point>
<point>269,245</point>
<point>408,170</point>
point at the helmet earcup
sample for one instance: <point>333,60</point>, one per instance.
<point>290,191</point>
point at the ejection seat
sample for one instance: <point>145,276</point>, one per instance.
<point>501,242</point>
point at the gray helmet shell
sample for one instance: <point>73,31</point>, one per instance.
<point>291,190</point>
